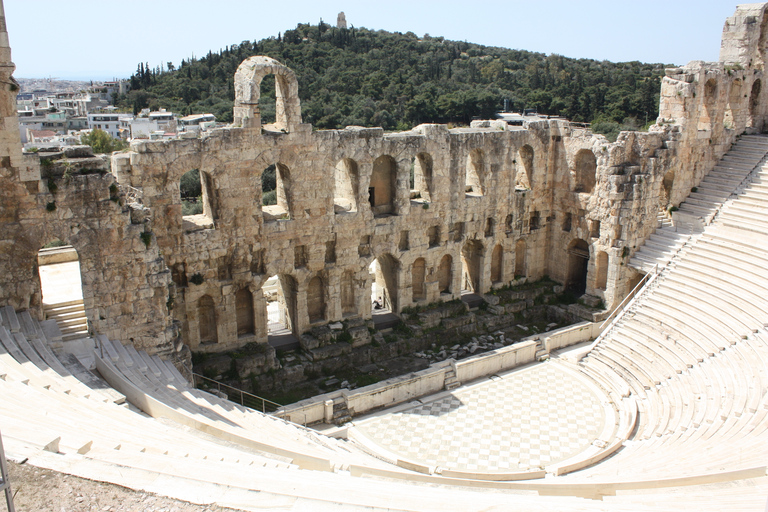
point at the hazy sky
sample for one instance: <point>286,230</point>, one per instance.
<point>104,39</point>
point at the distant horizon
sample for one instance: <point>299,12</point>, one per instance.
<point>657,31</point>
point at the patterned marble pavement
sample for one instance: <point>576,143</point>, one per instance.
<point>523,419</point>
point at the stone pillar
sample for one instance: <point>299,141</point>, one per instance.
<point>260,316</point>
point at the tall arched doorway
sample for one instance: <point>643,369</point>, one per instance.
<point>62,289</point>
<point>385,270</point>
<point>471,263</point>
<point>578,266</point>
<point>280,293</point>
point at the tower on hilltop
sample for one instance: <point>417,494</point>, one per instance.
<point>341,20</point>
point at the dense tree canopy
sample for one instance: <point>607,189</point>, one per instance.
<point>377,78</point>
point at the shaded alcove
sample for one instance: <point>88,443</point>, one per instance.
<point>754,102</point>
<point>418,274</point>
<point>207,321</point>
<point>475,173</point>
<point>497,264</point>
<point>316,300</point>
<point>422,177</point>
<point>520,259</point>
<point>244,312</point>
<point>345,186</point>
<point>707,113</point>
<point>524,169</point>
<point>348,296</point>
<point>578,266</point>
<point>584,169</point>
<point>445,274</point>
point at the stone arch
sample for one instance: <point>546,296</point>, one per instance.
<point>584,171</point>
<point>206,320</point>
<point>754,102</point>
<point>248,79</point>
<point>475,173</point>
<point>386,273</point>
<point>345,186</point>
<point>601,270</point>
<point>244,312</point>
<point>445,274</point>
<point>497,264</point>
<point>348,300</point>
<point>383,187</point>
<point>198,197</point>
<point>520,258</point>
<point>578,266</point>
<point>316,300</point>
<point>708,103</point>
<point>524,174</point>
<point>422,176</point>
<point>418,274</point>
<point>472,265</point>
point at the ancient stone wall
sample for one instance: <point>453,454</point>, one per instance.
<point>489,204</point>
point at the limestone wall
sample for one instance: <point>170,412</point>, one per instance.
<point>487,203</point>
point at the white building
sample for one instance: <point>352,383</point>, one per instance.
<point>109,122</point>
<point>197,122</point>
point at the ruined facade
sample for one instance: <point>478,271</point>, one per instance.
<point>486,205</point>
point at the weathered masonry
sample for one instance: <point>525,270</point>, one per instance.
<point>417,216</point>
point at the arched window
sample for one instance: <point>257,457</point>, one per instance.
<point>475,173</point>
<point>422,177</point>
<point>276,192</point>
<point>248,104</point>
<point>345,180</point>
<point>198,200</point>
<point>584,168</point>
<point>383,186</point>
<point>524,174</point>
<point>418,273</point>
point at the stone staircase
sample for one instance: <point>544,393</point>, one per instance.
<point>70,316</point>
<point>451,379</point>
<point>702,205</point>
<point>693,349</point>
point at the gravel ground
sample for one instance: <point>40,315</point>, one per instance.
<point>42,490</point>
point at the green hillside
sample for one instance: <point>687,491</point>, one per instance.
<point>377,78</point>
